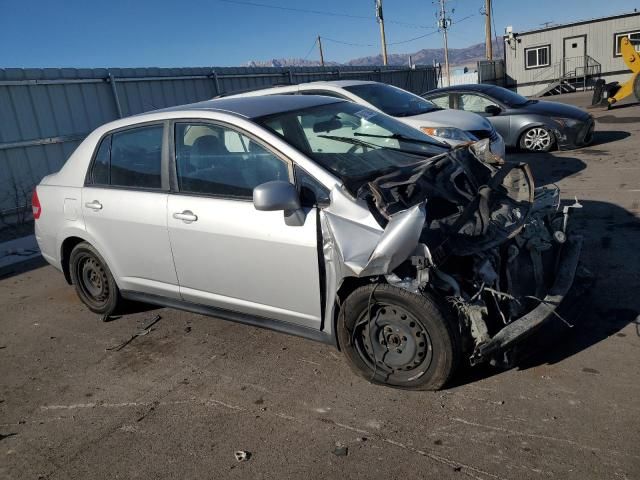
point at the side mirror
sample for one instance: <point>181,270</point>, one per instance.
<point>492,110</point>
<point>279,195</point>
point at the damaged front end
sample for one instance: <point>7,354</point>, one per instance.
<point>464,227</point>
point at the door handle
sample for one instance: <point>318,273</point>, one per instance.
<point>95,205</point>
<point>187,216</point>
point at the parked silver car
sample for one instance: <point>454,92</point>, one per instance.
<point>530,124</point>
<point>445,125</point>
<point>315,217</point>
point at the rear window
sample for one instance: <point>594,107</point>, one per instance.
<point>131,158</point>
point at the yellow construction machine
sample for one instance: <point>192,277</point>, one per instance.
<point>631,86</point>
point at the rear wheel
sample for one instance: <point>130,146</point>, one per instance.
<point>394,337</point>
<point>93,280</point>
<point>537,139</point>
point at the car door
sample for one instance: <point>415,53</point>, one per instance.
<point>124,205</point>
<point>228,254</point>
<point>477,103</point>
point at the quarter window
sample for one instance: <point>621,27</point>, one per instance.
<point>537,57</point>
<point>130,158</point>
<point>216,160</point>
<point>634,38</point>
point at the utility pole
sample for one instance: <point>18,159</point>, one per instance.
<point>321,54</point>
<point>443,24</point>
<point>383,39</point>
<point>487,30</point>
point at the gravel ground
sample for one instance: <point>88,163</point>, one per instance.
<point>178,402</point>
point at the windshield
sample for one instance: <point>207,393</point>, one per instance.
<point>507,97</point>
<point>352,141</point>
<point>392,100</point>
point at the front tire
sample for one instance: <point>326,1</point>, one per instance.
<point>397,338</point>
<point>537,139</point>
<point>93,280</point>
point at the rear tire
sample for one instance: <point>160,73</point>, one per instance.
<point>408,341</point>
<point>93,280</point>
<point>537,139</point>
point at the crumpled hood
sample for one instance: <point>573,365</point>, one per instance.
<point>471,205</point>
<point>448,118</point>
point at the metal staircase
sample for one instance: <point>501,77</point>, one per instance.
<point>568,75</point>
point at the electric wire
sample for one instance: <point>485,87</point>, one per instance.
<point>318,12</point>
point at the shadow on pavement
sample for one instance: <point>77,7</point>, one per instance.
<point>548,169</point>
<point>600,137</point>
<point>611,235</point>
<point>22,267</point>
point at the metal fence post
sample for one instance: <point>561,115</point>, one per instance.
<point>114,90</point>
<point>216,83</point>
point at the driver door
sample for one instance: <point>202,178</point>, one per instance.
<point>228,254</point>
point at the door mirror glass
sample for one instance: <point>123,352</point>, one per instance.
<point>492,109</point>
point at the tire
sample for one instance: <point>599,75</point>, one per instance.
<point>93,280</point>
<point>411,339</point>
<point>537,139</point>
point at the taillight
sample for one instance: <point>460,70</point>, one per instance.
<point>35,205</point>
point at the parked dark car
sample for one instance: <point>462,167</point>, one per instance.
<point>533,125</point>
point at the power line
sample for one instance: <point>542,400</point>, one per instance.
<point>310,50</point>
<point>317,12</point>
<point>413,39</point>
<point>348,43</point>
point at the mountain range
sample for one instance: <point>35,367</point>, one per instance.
<point>458,57</point>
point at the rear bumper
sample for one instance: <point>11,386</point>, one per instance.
<point>521,328</point>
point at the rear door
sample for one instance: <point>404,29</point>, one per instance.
<point>124,204</point>
<point>228,254</point>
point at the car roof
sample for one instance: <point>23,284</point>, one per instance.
<point>469,87</point>
<point>253,107</point>
<point>337,83</point>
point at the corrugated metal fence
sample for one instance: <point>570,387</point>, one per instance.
<point>45,113</point>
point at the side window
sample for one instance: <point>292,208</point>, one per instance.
<point>101,164</point>
<point>311,191</point>
<point>136,158</point>
<point>441,101</point>
<point>216,160</point>
<point>130,158</point>
<point>470,102</point>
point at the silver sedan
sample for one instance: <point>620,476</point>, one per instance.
<point>315,217</point>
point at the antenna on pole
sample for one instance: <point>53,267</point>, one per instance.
<point>444,23</point>
<point>383,38</point>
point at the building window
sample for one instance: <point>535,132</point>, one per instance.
<point>537,57</point>
<point>634,38</point>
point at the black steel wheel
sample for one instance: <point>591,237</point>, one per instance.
<point>93,280</point>
<point>394,337</point>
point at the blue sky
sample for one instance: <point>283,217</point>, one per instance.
<point>168,33</point>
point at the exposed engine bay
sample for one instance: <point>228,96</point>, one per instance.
<point>464,227</point>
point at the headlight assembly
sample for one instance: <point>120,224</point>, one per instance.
<point>449,133</point>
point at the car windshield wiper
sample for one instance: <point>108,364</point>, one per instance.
<point>362,143</point>
<point>399,136</point>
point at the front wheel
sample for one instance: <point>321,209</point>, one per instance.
<point>397,338</point>
<point>537,139</point>
<point>93,280</point>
